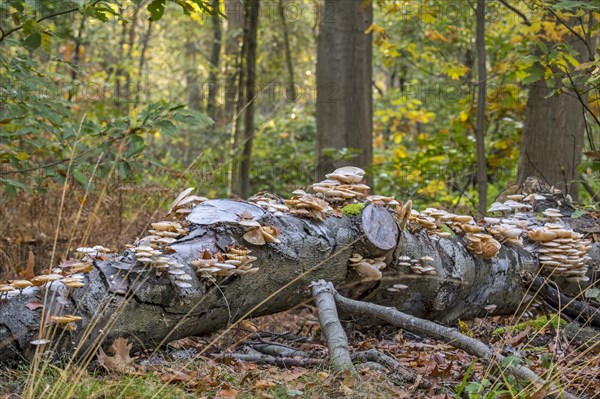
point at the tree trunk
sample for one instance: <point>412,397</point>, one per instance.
<point>142,60</point>
<point>554,129</point>
<point>194,90</point>
<point>480,119</point>
<point>344,94</point>
<point>215,62</point>
<point>76,59</point>
<point>123,297</point>
<point>233,56</point>
<point>288,52</point>
<point>240,176</point>
<point>252,7</point>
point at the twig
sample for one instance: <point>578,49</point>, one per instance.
<point>373,355</point>
<point>337,341</point>
<point>446,334</point>
<point>577,35</point>
<point>516,11</point>
<point>280,350</point>
<point>267,359</point>
<point>4,34</point>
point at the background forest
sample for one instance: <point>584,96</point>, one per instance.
<point>109,108</point>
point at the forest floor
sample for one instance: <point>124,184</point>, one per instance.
<point>188,369</point>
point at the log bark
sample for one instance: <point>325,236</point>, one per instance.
<point>123,298</point>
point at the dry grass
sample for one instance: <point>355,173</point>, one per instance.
<point>35,222</point>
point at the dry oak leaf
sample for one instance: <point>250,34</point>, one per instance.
<point>227,393</point>
<point>121,362</point>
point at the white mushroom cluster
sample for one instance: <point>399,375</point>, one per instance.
<point>368,269</point>
<point>483,245</point>
<point>70,279</point>
<point>383,201</point>
<point>309,206</point>
<point>91,253</point>
<point>185,202</point>
<point>343,185</point>
<point>422,265</point>
<point>515,202</point>
<point>397,287</point>
<point>165,232</point>
<point>257,234</point>
<point>433,219</point>
<point>180,277</point>
<point>269,203</point>
<point>507,230</point>
<point>236,261</point>
<point>562,252</point>
<point>154,258</point>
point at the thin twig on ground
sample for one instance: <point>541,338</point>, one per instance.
<point>268,359</point>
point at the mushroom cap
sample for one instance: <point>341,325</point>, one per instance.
<point>20,284</point>
<point>347,174</point>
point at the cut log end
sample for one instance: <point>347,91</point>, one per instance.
<point>380,229</point>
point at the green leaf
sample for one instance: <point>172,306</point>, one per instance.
<point>156,9</point>
<point>168,128</point>
<point>82,179</point>
<point>573,4</point>
<point>33,41</point>
<point>191,117</point>
<point>124,169</point>
<point>137,145</point>
<point>578,213</point>
<point>535,74</point>
<point>14,184</point>
<point>46,42</point>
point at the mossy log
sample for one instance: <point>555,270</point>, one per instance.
<point>124,298</point>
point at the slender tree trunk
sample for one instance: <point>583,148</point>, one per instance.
<point>129,90</point>
<point>215,61</point>
<point>240,171</point>
<point>76,58</point>
<point>344,93</point>
<point>288,52</point>
<point>142,61</point>
<point>481,93</point>
<point>554,130</point>
<point>236,125</point>
<point>193,89</point>
<point>233,57</point>
<point>119,73</point>
<point>252,7</point>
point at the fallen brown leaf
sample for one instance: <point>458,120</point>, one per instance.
<point>263,384</point>
<point>34,305</point>
<point>227,393</point>
<point>121,362</point>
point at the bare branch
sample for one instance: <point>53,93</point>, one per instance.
<point>452,336</point>
<point>337,341</point>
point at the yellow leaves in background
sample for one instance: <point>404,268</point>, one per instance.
<point>434,35</point>
<point>455,71</point>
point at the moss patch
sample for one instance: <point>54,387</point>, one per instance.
<point>353,209</point>
<point>535,324</point>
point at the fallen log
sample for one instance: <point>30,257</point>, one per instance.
<point>125,297</point>
<point>572,307</point>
